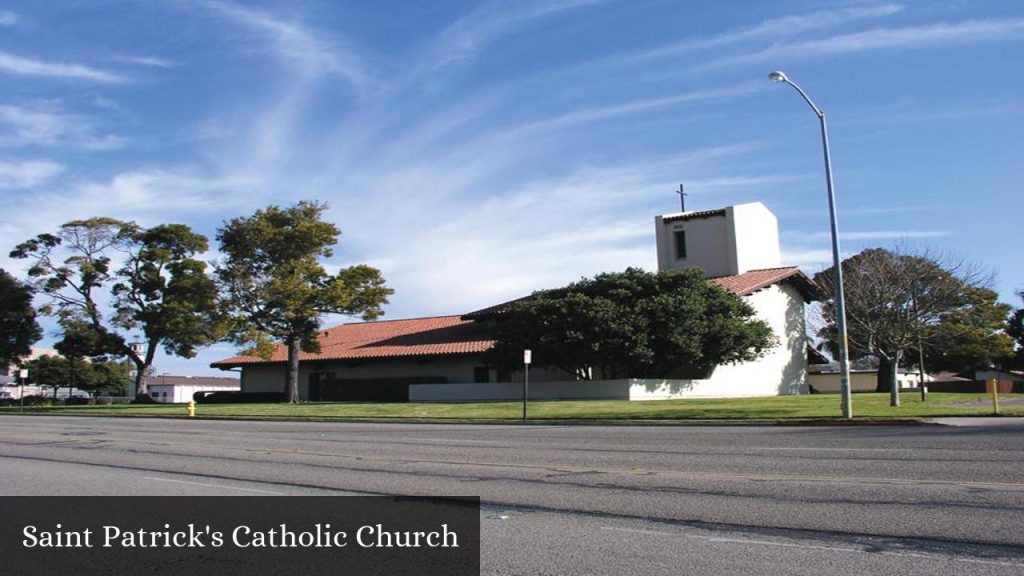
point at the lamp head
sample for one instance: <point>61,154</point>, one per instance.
<point>778,76</point>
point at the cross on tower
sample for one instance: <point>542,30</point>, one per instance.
<point>682,198</point>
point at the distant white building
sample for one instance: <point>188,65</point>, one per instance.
<point>169,389</point>
<point>826,379</point>
<point>9,372</point>
<point>440,359</point>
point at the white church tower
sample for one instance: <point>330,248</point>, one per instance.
<point>737,247</point>
<point>722,242</point>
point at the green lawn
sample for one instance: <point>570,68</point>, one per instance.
<point>816,407</point>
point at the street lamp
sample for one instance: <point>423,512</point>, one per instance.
<point>844,362</point>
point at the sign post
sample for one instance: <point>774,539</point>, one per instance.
<point>527,357</point>
<point>22,375</point>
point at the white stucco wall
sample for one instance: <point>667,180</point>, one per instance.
<point>707,244</point>
<point>623,389</point>
<point>784,369</point>
<point>754,233</point>
<point>177,394</point>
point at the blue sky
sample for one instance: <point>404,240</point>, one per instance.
<point>475,152</point>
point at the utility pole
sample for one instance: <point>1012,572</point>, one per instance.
<point>920,366</point>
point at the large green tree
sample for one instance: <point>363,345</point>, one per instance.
<point>970,337</point>
<point>1015,328</point>
<point>895,298</point>
<point>632,324</point>
<point>18,326</point>
<point>125,283</point>
<point>59,372</point>
<point>275,288</point>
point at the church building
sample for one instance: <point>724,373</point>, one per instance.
<point>440,358</point>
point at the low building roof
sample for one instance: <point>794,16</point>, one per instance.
<point>415,337</point>
<point>172,380</point>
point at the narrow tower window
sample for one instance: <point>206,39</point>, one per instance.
<point>680,236</point>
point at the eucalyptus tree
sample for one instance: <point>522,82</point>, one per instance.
<point>132,289</point>
<point>274,286</point>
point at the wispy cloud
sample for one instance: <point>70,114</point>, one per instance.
<point>878,234</point>
<point>465,37</point>
<point>859,211</point>
<point>45,126</point>
<point>942,33</point>
<point>147,195</point>
<point>809,259</point>
<point>966,32</point>
<point>155,192</point>
<point>775,28</point>
<point>27,173</point>
<point>148,61</point>
<point>453,251</point>
<point>600,113</point>
<point>8,18</point>
<point>296,44</point>
<point>69,71</point>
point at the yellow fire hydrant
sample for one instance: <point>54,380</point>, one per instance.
<point>191,408</point>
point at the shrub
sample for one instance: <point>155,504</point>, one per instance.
<point>239,397</point>
<point>79,401</point>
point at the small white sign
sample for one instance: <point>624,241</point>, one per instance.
<point>23,373</point>
<point>527,356</point>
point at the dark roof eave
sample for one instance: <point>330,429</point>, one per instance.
<point>694,215</point>
<point>228,365</point>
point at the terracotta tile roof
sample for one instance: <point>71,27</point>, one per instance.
<point>753,280</point>
<point>438,336</point>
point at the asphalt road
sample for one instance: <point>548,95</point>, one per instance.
<point>594,499</point>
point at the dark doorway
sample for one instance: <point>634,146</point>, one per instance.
<point>314,386</point>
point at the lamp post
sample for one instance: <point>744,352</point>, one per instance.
<point>844,362</point>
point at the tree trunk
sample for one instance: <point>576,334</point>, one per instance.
<point>894,390</point>
<point>885,379</point>
<point>291,386</point>
<point>141,386</point>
